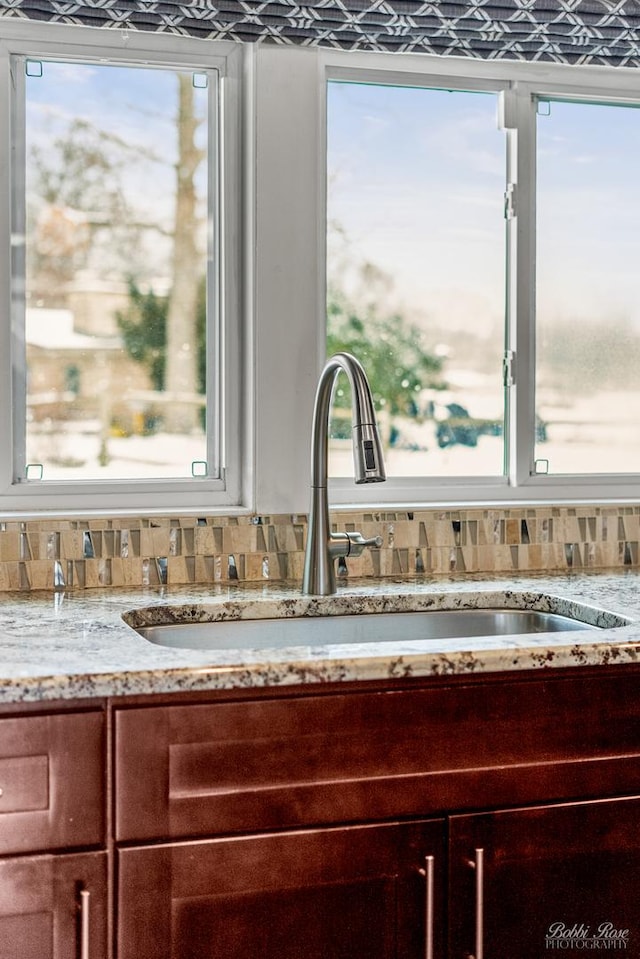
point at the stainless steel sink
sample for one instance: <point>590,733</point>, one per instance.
<point>381,627</point>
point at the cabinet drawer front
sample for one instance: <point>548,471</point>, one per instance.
<point>43,902</point>
<point>51,782</point>
<point>345,757</point>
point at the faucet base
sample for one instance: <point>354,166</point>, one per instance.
<point>319,578</point>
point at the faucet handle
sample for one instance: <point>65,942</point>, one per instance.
<point>357,543</point>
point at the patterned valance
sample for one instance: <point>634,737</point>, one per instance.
<point>564,31</point>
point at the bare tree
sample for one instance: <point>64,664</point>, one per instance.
<point>182,360</point>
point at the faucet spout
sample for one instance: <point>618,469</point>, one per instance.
<point>322,546</point>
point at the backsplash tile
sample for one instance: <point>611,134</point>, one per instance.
<point>81,554</point>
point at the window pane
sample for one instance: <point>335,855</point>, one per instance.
<point>588,288</point>
<point>416,255</point>
<point>116,256</point>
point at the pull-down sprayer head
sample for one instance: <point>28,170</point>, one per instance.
<point>367,450</point>
<point>367,454</point>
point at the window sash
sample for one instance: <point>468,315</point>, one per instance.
<point>223,486</point>
<point>445,86</point>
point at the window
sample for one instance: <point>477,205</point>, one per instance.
<point>415,271</point>
<point>482,237</point>
<point>124,351</point>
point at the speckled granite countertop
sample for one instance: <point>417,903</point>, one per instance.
<point>76,645</point>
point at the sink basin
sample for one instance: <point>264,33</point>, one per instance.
<point>376,627</point>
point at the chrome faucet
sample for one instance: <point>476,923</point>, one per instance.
<point>323,546</point>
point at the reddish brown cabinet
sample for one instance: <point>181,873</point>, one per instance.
<point>490,816</point>
<point>546,880</point>
<point>53,867</point>
<point>319,825</point>
<point>360,891</point>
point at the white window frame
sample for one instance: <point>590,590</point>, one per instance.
<point>291,141</point>
<point>273,177</point>
<point>228,444</point>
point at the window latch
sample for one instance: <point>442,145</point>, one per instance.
<point>510,210</point>
<point>509,367</point>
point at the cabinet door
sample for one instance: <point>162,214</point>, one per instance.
<point>353,893</point>
<point>54,907</point>
<point>546,879</point>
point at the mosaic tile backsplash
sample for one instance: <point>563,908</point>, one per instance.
<point>80,554</point>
